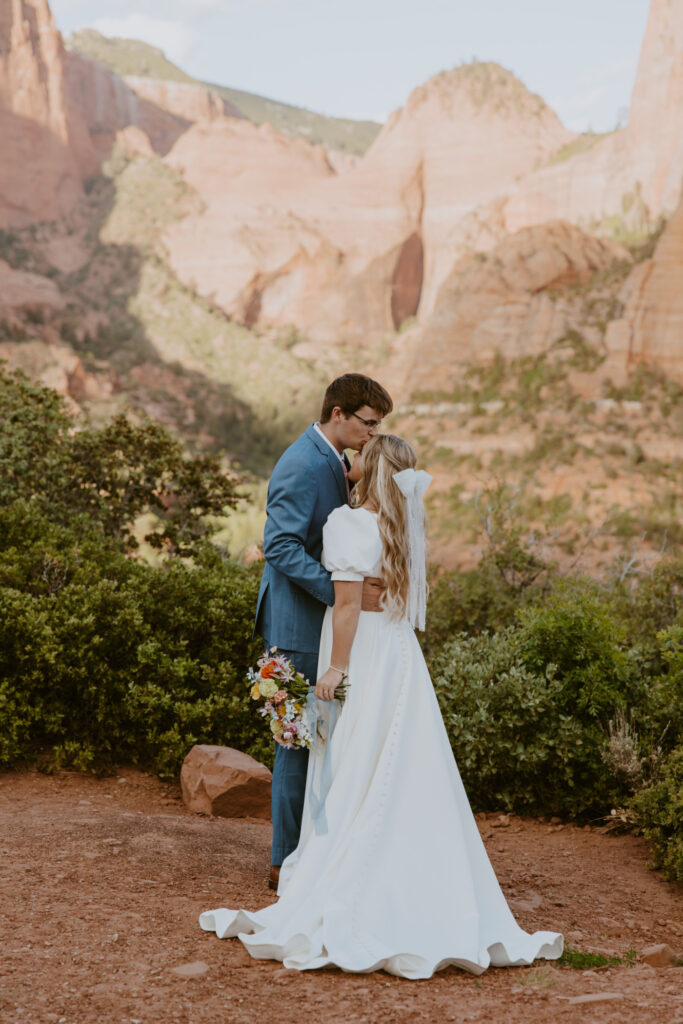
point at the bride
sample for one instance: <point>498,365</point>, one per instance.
<point>390,872</point>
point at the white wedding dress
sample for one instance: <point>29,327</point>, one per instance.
<point>390,873</point>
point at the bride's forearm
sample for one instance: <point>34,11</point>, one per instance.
<point>345,614</point>
<point>344,626</point>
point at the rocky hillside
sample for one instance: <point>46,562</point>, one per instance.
<point>91,306</point>
<point>161,254</point>
<point>349,257</point>
<point>132,59</point>
<point>534,402</point>
<point>650,328</point>
<point>472,158</point>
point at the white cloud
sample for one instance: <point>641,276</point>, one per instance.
<point>176,38</point>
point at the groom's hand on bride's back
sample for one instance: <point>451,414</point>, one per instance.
<point>373,589</point>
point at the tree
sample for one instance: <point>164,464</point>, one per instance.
<point>110,476</point>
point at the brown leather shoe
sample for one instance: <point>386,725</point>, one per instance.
<point>274,877</point>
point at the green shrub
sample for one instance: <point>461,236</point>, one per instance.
<point>517,743</point>
<point>529,709</point>
<point>660,714</point>
<point>28,655</point>
<point>655,604</point>
<point>575,631</point>
<point>467,602</point>
<point>582,961</point>
<point>659,810</point>
<point>113,660</point>
<point>103,658</point>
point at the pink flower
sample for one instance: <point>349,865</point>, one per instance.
<point>279,696</point>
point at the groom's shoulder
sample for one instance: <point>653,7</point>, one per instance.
<point>303,452</point>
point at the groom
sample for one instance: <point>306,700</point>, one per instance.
<point>311,478</point>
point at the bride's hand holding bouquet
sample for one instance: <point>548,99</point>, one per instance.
<point>284,696</point>
<point>329,682</point>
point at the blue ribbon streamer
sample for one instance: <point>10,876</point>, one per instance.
<point>323,719</point>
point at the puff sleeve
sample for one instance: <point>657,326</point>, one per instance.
<point>352,546</point>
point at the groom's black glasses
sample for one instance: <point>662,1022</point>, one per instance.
<point>370,424</point>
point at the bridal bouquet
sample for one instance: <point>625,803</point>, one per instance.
<point>283,693</point>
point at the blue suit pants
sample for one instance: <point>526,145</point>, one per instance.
<point>289,775</point>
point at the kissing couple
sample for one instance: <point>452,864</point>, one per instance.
<point>382,868</point>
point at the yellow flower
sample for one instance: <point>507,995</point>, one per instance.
<point>255,692</point>
<point>268,687</point>
<point>275,727</point>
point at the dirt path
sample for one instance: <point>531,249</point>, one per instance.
<point>101,882</point>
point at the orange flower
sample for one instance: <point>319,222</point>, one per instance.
<point>268,670</point>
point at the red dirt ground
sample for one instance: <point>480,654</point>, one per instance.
<point>102,880</point>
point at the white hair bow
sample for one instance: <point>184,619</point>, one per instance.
<point>412,481</point>
<point>413,484</point>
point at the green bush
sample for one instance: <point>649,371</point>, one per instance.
<point>655,604</point>
<point>467,602</point>
<point>659,811</point>
<point>659,716</point>
<point>575,631</point>
<point>574,705</point>
<point>519,743</point>
<point>105,660</point>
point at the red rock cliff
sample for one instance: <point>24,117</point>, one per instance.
<point>46,151</point>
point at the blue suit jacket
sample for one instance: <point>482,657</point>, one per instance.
<point>306,485</point>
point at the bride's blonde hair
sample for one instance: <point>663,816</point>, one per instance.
<point>383,456</point>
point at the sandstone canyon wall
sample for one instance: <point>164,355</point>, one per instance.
<point>650,329</point>
<point>162,110</point>
<point>60,114</point>
<point>250,180</point>
<point>655,128</point>
<point>355,254</point>
<point>472,158</point>
<point>500,304</point>
<point>184,99</point>
<point>642,162</point>
<point>46,150</point>
<point>107,105</point>
<point>281,238</point>
<point>461,139</point>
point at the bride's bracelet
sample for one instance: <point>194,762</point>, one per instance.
<point>341,672</point>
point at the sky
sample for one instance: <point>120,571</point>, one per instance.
<point>362,58</point>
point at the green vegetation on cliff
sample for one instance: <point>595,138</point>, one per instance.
<point>487,84</point>
<point>176,356</point>
<point>152,344</point>
<point>581,144</point>
<point>126,56</point>
<point>132,57</point>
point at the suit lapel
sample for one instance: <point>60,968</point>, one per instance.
<point>332,461</point>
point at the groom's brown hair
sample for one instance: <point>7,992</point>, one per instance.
<point>351,391</point>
